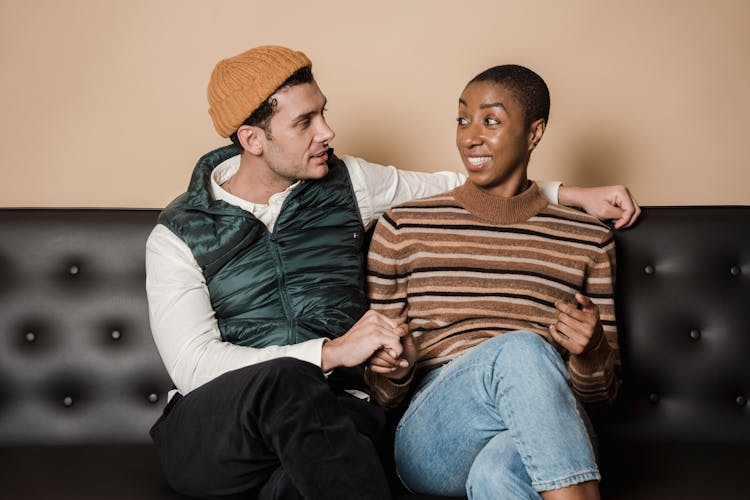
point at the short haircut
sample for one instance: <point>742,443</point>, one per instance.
<point>527,87</point>
<point>261,117</point>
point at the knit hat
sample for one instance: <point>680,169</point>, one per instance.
<point>240,84</point>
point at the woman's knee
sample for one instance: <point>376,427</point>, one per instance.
<point>525,341</point>
<point>526,361</point>
<point>529,351</point>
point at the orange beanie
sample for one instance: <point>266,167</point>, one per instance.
<point>240,84</point>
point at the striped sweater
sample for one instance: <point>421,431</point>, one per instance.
<point>465,266</point>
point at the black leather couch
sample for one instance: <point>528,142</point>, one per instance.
<point>81,381</point>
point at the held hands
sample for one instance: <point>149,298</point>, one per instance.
<point>605,203</point>
<point>395,367</point>
<point>577,330</point>
<point>373,332</point>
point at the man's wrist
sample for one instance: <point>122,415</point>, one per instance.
<point>328,356</point>
<point>569,196</point>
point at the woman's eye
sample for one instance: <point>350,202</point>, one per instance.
<point>461,121</point>
<point>491,121</point>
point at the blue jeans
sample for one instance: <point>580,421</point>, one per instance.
<point>500,421</point>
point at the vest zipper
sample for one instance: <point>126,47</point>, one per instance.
<point>274,246</point>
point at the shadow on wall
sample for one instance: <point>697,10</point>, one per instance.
<point>596,158</point>
<point>374,144</point>
<point>378,140</point>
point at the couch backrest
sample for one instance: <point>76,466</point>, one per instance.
<point>78,363</point>
<point>77,360</point>
<point>683,305</point>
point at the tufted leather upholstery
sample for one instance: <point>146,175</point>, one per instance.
<point>682,422</point>
<point>683,302</point>
<point>81,381</point>
<point>77,362</point>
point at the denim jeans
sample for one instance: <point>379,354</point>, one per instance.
<point>500,421</point>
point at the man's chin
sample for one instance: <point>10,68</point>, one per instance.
<point>317,171</point>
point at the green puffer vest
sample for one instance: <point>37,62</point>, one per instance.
<point>302,281</point>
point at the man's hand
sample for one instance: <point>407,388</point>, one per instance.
<point>605,203</point>
<point>577,330</point>
<point>395,367</point>
<point>372,332</point>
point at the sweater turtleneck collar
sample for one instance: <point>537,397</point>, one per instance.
<point>499,210</point>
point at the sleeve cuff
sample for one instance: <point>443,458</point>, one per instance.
<point>311,351</point>
<point>550,190</point>
<point>386,392</point>
<point>595,360</point>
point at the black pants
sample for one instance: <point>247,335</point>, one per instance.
<point>274,430</point>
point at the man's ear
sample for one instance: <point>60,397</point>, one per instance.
<point>536,131</point>
<point>250,139</point>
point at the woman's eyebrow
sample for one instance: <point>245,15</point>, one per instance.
<point>488,105</point>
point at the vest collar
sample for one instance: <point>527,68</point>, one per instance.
<point>200,192</point>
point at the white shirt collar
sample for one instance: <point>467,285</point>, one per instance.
<point>225,171</point>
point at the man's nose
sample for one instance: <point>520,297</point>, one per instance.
<point>325,133</point>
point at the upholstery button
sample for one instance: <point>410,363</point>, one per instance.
<point>741,401</point>
<point>30,337</point>
<point>68,401</point>
<point>695,334</point>
<point>653,398</point>
<point>649,270</point>
<point>735,271</point>
<point>116,335</point>
<point>153,398</point>
<point>73,270</point>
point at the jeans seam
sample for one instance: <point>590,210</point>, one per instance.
<point>412,408</point>
<point>510,424</point>
<point>569,480</point>
<point>510,421</point>
<point>411,411</point>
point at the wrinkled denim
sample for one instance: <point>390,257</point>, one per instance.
<point>500,421</point>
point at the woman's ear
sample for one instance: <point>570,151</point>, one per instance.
<point>536,131</point>
<point>250,139</point>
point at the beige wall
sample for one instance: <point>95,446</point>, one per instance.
<point>102,102</point>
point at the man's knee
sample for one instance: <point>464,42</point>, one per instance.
<point>282,371</point>
<point>282,384</point>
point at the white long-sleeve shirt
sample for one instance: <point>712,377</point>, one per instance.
<point>182,319</point>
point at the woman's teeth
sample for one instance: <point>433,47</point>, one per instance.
<point>478,160</point>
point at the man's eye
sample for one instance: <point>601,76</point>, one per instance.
<point>491,121</point>
<point>462,121</point>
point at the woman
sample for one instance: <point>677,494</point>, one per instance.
<point>508,308</point>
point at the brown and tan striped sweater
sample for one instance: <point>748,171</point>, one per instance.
<point>465,266</point>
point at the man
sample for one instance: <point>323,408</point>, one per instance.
<point>509,306</point>
<point>255,285</point>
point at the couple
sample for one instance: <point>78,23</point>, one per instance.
<point>494,303</point>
